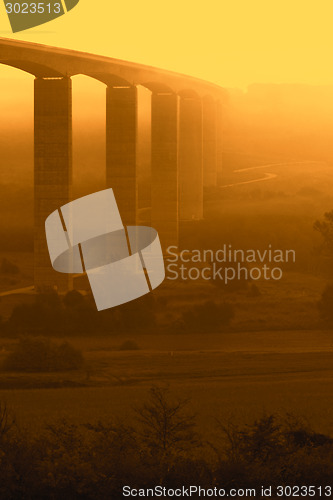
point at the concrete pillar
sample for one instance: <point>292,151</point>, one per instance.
<point>164,168</point>
<point>219,140</point>
<point>143,156</point>
<point>53,169</point>
<point>190,159</point>
<point>121,173</point>
<point>128,151</point>
<point>209,142</point>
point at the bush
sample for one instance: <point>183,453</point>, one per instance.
<point>45,315</point>
<point>75,314</point>
<point>94,461</point>
<point>8,267</point>
<point>269,439</point>
<point>129,345</point>
<point>73,298</point>
<point>253,291</point>
<point>325,304</point>
<point>42,355</point>
<point>7,421</point>
<point>167,425</point>
<point>272,450</point>
<point>207,316</point>
<point>233,285</point>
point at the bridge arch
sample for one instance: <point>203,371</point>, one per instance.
<point>189,94</point>
<point>35,69</point>
<point>158,87</point>
<point>109,79</point>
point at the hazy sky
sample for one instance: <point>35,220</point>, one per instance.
<point>230,42</point>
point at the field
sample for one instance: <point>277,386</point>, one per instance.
<point>238,375</point>
<point>275,356</point>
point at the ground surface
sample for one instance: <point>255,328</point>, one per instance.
<point>237,375</point>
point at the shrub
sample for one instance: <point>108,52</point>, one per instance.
<point>138,314</point>
<point>7,421</point>
<point>8,267</point>
<point>207,316</point>
<point>42,355</point>
<point>76,314</point>
<point>94,461</point>
<point>233,285</point>
<point>269,439</point>
<point>167,425</point>
<point>272,450</point>
<point>253,291</point>
<point>73,298</point>
<point>325,228</point>
<point>45,315</point>
<point>325,304</point>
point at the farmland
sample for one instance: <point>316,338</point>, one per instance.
<point>239,375</point>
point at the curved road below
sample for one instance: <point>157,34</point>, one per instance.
<point>267,175</point>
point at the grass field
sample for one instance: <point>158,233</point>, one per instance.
<point>237,375</point>
<point>275,356</point>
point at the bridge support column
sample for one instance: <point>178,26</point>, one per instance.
<point>209,142</point>
<point>190,159</point>
<point>121,172</point>
<point>219,140</point>
<point>53,169</point>
<point>164,167</point>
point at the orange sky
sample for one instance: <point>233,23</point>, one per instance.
<point>232,43</point>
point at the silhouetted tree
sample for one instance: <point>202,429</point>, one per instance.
<point>42,355</point>
<point>325,228</point>
<point>167,425</point>
<point>7,421</point>
<point>8,267</point>
<point>208,316</point>
<point>73,298</point>
<point>325,304</point>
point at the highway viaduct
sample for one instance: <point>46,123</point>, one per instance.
<point>163,140</point>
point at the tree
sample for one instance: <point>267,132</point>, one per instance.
<point>74,299</point>
<point>167,426</point>
<point>208,316</point>
<point>325,228</point>
<point>325,304</point>
<point>42,355</point>
<point>7,421</point>
<point>8,267</point>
